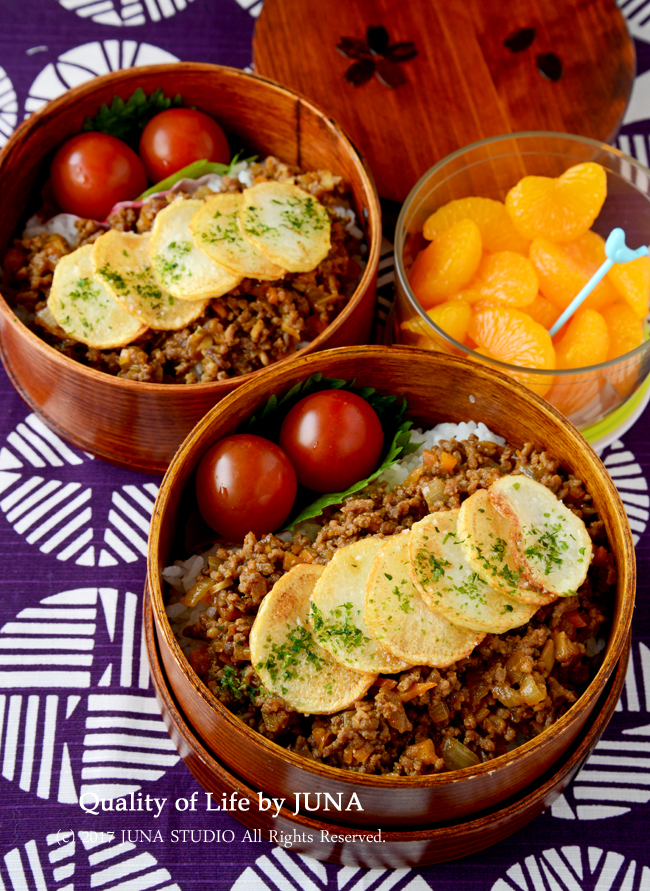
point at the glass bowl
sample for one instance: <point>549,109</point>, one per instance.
<point>596,398</point>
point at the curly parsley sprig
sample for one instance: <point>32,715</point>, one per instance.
<point>127,119</point>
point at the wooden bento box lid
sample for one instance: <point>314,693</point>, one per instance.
<point>482,69</point>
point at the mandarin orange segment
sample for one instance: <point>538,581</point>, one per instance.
<point>506,277</point>
<point>435,345</point>
<point>452,316</point>
<point>632,282</point>
<point>585,341</point>
<point>588,250</point>
<point>561,208</point>
<point>537,382</point>
<point>543,311</point>
<point>563,270</point>
<point>625,334</point>
<point>446,265</point>
<point>513,337</point>
<point>470,295</point>
<point>625,329</point>
<point>497,230</point>
<point>575,395</point>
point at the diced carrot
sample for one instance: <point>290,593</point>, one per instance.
<point>600,555</point>
<point>417,690</point>
<point>576,619</point>
<point>290,560</point>
<point>447,462</point>
<point>414,476</point>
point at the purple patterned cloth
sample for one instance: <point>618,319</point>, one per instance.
<point>77,711</point>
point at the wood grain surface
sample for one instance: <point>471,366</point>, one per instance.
<point>436,387</point>
<point>135,423</point>
<point>415,847</point>
<point>465,84</point>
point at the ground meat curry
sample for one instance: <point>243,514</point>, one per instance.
<point>421,720</point>
<point>256,324</point>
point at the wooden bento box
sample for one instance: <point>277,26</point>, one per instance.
<point>437,388</point>
<point>140,424</point>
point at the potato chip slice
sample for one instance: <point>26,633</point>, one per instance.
<point>550,544</point>
<point>85,309</point>
<point>337,610</point>
<point>485,538</point>
<point>287,658</point>
<point>398,616</point>
<point>289,226</point>
<point>121,261</point>
<point>180,267</point>
<point>218,233</point>
<point>448,584</point>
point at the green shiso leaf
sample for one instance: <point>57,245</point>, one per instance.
<point>390,410</point>
<point>127,120</point>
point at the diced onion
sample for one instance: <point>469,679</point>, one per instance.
<point>457,755</point>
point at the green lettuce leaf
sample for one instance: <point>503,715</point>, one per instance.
<point>390,410</point>
<point>192,171</point>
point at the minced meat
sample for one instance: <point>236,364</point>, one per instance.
<point>421,720</point>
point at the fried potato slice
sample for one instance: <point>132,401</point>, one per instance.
<point>218,233</point>
<point>447,584</point>
<point>179,266</point>
<point>550,544</point>
<point>289,226</point>
<point>287,658</point>
<point>398,616</point>
<point>337,606</point>
<point>85,309</point>
<point>122,263</point>
<point>484,535</point>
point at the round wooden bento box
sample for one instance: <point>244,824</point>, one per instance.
<point>139,424</point>
<point>437,387</point>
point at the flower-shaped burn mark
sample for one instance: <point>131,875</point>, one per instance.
<point>375,55</point>
<point>520,40</point>
<point>550,66</point>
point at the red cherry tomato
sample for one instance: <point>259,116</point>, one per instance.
<point>93,171</point>
<point>245,484</point>
<point>334,439</point>
<point>179,136</point>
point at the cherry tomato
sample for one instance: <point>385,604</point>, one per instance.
<point>334,438</point>
<point>245,484</point>
<point>93,171</point>
<point>179,136</point>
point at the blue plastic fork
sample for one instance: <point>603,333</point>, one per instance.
<point>617,252</point>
